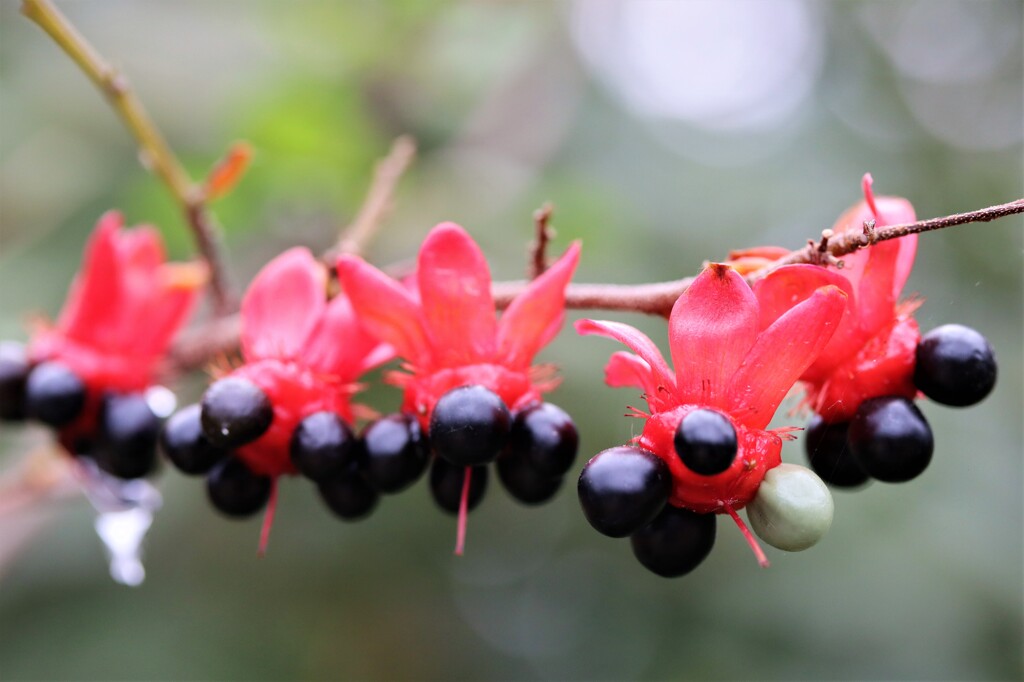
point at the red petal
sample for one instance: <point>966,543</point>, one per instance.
<point>626,370</point>
<point>536,315</point>
<point>340,347</point>
<point>711,329</point>
<point>386,309</point>
<point>90,314</point>
<point>455,291</point>
<point>141,248</point>
<point>786,287</point>
<point>174,291</point>
<point>781,354</point>
<point>637,342</point>
<point>876,294</point>
<point>282,305</point>
<point>898,211</point>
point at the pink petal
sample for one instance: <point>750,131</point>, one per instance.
<point>455,291</point>
<point>536,315</point>
<point>711,329</point>
<point>386,309</point>
<point>282,305</point>
<point>876,291</point>
<point>175,290</point>
<point>91,312</point>
<point>898,211</point>
<point>339,345</point>
<point>637,342</point>
<point>788,286</point>
<point>626,370</point>
<point>141,249</point>
<point>781,354</point>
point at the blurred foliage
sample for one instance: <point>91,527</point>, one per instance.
<point>511,108</point>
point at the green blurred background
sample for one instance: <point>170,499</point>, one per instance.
<point>665,134</point>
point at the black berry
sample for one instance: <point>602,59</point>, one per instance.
<point>622,489</point>
<point>955,366</point>
<point>545,437</point>
<point>235,490</point>
<point>469,425</point>
<point>676,542</point>
<point>447,480</point>
<point>127,436</point>
<point>524,482</point>
<point>829,454</point>
<point>891,439</point>
<point>14,370</point>
<point>322,446</point>
<point>183,442</point>
<point>706,442</point>
<point>348,495</point>
<point>397,454</point>
<point>54,394</point>
<point>235,411</point>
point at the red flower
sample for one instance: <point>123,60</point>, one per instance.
<point>122,310</point>
<point>446,330</point>
<point>304,352</point>
<point>724,361</point>
<point>872,353</point>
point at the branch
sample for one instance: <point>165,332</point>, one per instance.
<point>657,298</point>
<point>539,248</point>
<point>378,201</point>
<point>848,242</point>
<point>154,152</point>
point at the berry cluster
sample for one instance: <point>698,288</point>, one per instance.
<point>704,449</point>
<point>472,395</point>
<point>287,408</point>
<point>863,384</point>
<point>87,375</point>
<point>468,380</point>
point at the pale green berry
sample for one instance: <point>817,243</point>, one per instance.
<point>792,509</point>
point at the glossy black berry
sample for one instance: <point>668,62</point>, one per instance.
<point>235,411</point>
<point>675,543</point>
<point>446,481</point>
<point>545,437</point>
<point>829,454</point>
<point>183,442</point>
<point>955,366</point>
<point>397,454</point>
<point>891,439</point>
<point>348,495</point>
<point>54,394</point>
<point>705,441</point>
<point>469,425</point>
<point>622,489</point>
<point>14,369</point>
<point>235,490</point>
<point>525,483</point>
<point>322,446</point>
<point>128,434</point>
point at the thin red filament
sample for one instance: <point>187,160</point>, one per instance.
<point>762,560</point>
<point>460,532</point>
<point>268,521</point>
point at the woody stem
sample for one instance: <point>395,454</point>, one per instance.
<point>656,298</point>
<point>154,152</point>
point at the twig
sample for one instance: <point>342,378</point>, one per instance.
<point>539,247</point>
<point>378,201</point>
<point>848,242</point>
<point>154,152</point>
<point>195,348</point>
<point>653,299</point>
